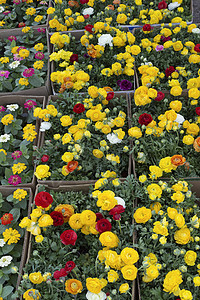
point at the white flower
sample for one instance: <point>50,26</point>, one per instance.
<point>1,9</point>
<point>196,30</point>
<point>120,201</point>
<point>88,11</point>
<point>14,64</point>
<point>45,126</point>
<point>5,261</point>
<point>179,119</point>
<point>4,138</point>
<point>173,5</point>
<point>113,139</point>
<point>2,242</point>
<point>92,296</point>
<point>105,39</point>
<point>12,107</point>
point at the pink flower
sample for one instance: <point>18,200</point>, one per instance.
<point>159,48</point>
<point>29,104</point>
<point>16,1</point>
<point>17,57</point>
<point>42,30</point>
<point>4,74</point>
<point>6,12</point>
<point>39,55</point>
<point>28,72</point>
<point>16,154</point>
<point>14,180</point>
<point>11,38</point>
<point>2,108</point>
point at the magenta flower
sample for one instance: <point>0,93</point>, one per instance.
<point>11,38</point>
<point>125,85</point>
<point>14,180</point>
<point>42,30</point>
<point>29,104</point>
<point>2,108</point>
<point>16,1</point>
<point>39,55</point>
<point>4,74</point>
<point>16,154</point>
<point>6,12</point>
<point>17,57</point>
<point>159,48</point>
<point>28,72</point>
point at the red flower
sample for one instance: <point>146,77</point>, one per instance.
<point>116,211</point>
<point>86,16</point>
<point>146,27</point>
<point>74,57</point>
<point>103,225</point>
<point>70,265</point>
<point>43,199</point>
<point>45,158</point>
<point>21,24</point>
<point>197,109</point>
<point>145,119</point>
<point>71,166</point>
<point>89,28</point>
<point>59,273</point>
<point>162,5</point>
<point>57,218</point>
<point>165,38</point>
<point>169,71</point>
<point>99,216</point>
<point>160,96</point>
<point>197,48</point>
<point>110,95</point>
<point>6,219</point>
<point>68,237</point>
<point>84,1</point>
<point>78,108</point>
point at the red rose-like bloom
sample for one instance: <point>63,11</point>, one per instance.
<point>84,1</point>
<point>6,219</point>
<point>74,57</point>
<point>45,158</point>
<point>43,199</point>
<point>162,5</point>
<point>116,211</point>
<point>169,71</point>
<point>145,119</point>
<point>78,108</point>
<point>197,48</point>
<point>86,16</point>
<point>70,265</point>
<point>110,95</point>
<point>57,218</point>
<point>68,237</point>
<point>71,166</point>
<point>103,225</point>
<point>89,28</point>
<point>146,27</point>
<point>21,24</point>
<point>160,96</point>
<point>197,109</point>
<point>59,273</point>
<point>99,216</point>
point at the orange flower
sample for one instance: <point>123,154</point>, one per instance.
<point>196,144</point>
<point>178,160</point>
<point>111,7</point>
<point>71,166</point>
<point>92,51</point>
<point>66,210</point>
<point>116,2</point>
<point>73,286</point>
<point>108,89</point>
<point>73,3</point>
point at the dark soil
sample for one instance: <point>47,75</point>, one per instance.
<point>196,11</point>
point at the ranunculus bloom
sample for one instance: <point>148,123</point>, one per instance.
<point>86,16</point>
<point>160,96</point>
<point>178,160</point>
<point>89,28</point>
<point>145,119</point>
<point>99,216</point>
<point>78,108</point>
<point>43,199</point>
<point>146,27</point>
<point>125,85</point>
<point>110,95</point>
<point>57,217</point>
<point>162,5</point>
<point>6,219</point>
<point>45,158</point>
<point>197,48</point>
<point>59,273</point>
<point>169,71</point>
<point>74,57</point>
<point>165,38</point>
<point>70,265</point>
<point>71,166</point>
<point>103,225</point>
<point>197,109</point>
<point>84,1</point>
<point>116,211</point>
<point>68,237</point>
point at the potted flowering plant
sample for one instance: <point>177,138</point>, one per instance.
<point>167,229</point>
<point>18,13</point>
<point>24,62</point>
<point>156,65</point>
<point>77,63</point>
<point>14,204</point>
<point>19,134</point>
<point>82,138</point>
<point>77,263</point>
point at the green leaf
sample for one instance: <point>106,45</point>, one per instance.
<point>2,157</point>
<point>8,173</point>
<point>7,290</point>
<point>16,213</point>
<point>35,81</point>
<point>7,85</point>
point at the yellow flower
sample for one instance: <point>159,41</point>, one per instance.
<point>129,256</point>
<point>172,212</point>
<point>2,150</point>
<point>156,172</point>
<point>50,10</point>
<point>66,210</point>
<point>34,294</point>
<point>36,277</point>
<point>18,168</point>
<point>166,165</point>
<point>112,276</point>
<point>106,200</point>
<point>66,139</point>
<point>178,197</point>
<point>121,18</point>
<point>142,215</point>
<point>172,281</point>
<point>176,90</point>
<point>7,119</point>
<point>185,295</point>
<point>196,281</point>
<point>123,288</point>
<point>109,239</point>
<point>88,217</point>
<point>154,191</point>
<point>45,221</point>
<point>23,81</point>
<point>19,194</point>
<point>142,178</point>
<point>190,258</point>
<point>25,222</point>
<point>75,221</point>
<point>179,220</point>
<point>73,286</point>
<point>39,238</point>
<point>93,285</point>
<point>67,156</point>
<point>135,132</point>
<point>25,29</point>
<point>182,236</point>
<point>97,153</point>
<point>152,272</point>
<point>42,171</point>
<point>30,11</point>
<point>11,235</point>
<point>129,272</point>
<point>38,64</point>
<point>188,140</point>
